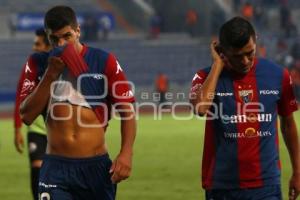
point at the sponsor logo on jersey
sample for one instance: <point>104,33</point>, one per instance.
<point>119,69</point>
<point>269,92</point>
<point>27,68</point>
<point>250,118</point>
<point>27,85</point>
<point>196,77</point>
<point>246,96</point>
<point>225,94</point>
<point>249,133</point>
<point>195,87</point>
<point>128,94</point>
<point>98,76</point>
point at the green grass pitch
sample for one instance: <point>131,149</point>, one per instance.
<point>167,160</point>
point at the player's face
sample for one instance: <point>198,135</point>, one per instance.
<point>241,59</point>
<point>63,36</point>
<point>39,44</point>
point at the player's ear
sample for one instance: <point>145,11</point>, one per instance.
<point>219,49</point>
<point>78,31</point>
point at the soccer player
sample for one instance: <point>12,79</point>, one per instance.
<point>241,96</point>
<point>36,133</point>
<point>75,90</point>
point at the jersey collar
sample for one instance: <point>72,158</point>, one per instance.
<point>84,50</point>
<point>251,71</point>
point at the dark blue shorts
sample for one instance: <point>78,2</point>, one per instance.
<point>76,179</point>
<point>270,192</point>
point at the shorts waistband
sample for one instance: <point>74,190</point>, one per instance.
<point>76,160</point>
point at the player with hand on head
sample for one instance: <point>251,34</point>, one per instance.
<point>75,87</point>
<point>36,133</point>
<point>242,96</point>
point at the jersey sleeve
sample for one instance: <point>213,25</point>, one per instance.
<point>197,82</point>
<point>28,81</point>
<point>119,88</point>
<point>287,103</point>
<point>17,118</point>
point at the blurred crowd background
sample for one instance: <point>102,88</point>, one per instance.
<point>152,37</point>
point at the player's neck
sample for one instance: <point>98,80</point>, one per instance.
<point>79,47</point>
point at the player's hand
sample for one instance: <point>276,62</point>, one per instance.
<point>121,167</point>
<point>19,141</point>
<point>294,186</point>
<point>55,66</point>
<point>216,56</point>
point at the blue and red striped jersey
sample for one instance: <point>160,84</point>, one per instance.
<point>241,134</point>
<point>102,84</point>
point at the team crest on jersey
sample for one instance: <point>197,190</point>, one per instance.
<point>246,96</point>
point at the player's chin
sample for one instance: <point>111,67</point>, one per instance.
<point>245,69</point>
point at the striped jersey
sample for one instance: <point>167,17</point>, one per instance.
<point>241,134</point>
<point>101,85</point>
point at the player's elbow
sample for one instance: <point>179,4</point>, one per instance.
<point>201,111</point>
<point>26,119</point>
<point>25,116</point>
<point>198,108</point>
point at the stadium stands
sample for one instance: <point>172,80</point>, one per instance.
<point>177,56</point>
<point>142,59</point>
<point>36,5</point>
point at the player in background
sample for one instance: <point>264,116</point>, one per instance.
<point>36,132</point>
<point>162,87</point>
<point>242,96</point>
<point>76,111</point>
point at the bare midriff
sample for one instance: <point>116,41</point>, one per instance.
<point>75,132</point>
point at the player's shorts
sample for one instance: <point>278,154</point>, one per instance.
<point>37,144</point>
<point>76,179</point>
<point>270,192</point>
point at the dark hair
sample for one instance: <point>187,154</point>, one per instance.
<point>41,33</point>
<point>236,33</point>
<point>60,16</point>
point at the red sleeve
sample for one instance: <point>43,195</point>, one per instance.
<point>17,118</point>
<point>27,82</point>
<point>287,103</point>
<point>119,88</point>
<point>197,82</point>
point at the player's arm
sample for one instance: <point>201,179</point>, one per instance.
<point>121,167</point>
<point>128,127</point>
<point>35,102</point>
<point>203,98</point>
<point>18,137</point>
<point>122,97</point>
<point>289,132</point>
<point>286,106</point>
